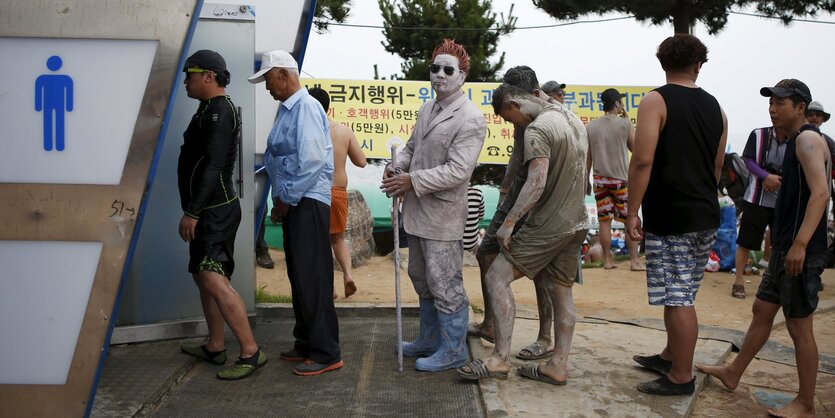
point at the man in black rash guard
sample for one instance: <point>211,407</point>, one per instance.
<point>212,213</point>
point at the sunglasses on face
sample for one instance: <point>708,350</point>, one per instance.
<point>448,69</point>
<point>195,70</point>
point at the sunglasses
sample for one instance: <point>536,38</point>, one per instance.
<point>448,69</point>
<point>197,70</point>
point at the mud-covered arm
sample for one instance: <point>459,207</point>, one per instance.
<point>528,196</point>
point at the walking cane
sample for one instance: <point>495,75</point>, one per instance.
<point>395,226</point>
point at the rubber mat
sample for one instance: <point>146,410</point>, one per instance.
<point>135,375</point>
<point>368,385</point>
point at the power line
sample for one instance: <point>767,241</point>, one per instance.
<point>555,25</point>
<point>826,22</point>
<point>576,22</point>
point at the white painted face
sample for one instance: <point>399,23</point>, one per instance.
<point>446,84</point>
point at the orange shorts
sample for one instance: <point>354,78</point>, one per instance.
<point>339,210</point>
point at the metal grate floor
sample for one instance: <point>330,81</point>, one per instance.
<point>368,385</point>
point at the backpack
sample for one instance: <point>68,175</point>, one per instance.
<point>734,177</point>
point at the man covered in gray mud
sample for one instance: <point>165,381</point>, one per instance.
<point>517,172</point>
<point>433,172</point>
<point>545,247</point>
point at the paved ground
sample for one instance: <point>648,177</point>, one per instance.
<point>154,379</point>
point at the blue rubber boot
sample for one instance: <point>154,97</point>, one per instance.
<point>453,351</point>
<point>429,339</point>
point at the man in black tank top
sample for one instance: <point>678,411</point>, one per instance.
<point>679,148</point>
<point>798,249</point>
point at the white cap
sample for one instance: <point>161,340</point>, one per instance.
<point>273,59</point>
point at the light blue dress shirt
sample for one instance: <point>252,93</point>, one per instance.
<point>299,156</point>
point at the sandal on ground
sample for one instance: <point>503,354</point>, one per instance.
<point>243,367</point>
<point>654,363</point>
<point>665,387</point>
<point>201,352</point>
<point>477,370</point>
<point>534,351</point>
<point>533,372</point>
<point>475,331</point>
<point>738,291</point>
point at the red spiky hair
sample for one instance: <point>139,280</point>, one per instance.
<point>449,47</point>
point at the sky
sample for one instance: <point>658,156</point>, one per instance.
<point>748,54</point>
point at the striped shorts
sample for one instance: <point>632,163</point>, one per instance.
<point>676,266</point>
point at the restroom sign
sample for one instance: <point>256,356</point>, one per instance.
<point>69,107</point>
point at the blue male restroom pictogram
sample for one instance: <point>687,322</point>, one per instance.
<point>53,96</point>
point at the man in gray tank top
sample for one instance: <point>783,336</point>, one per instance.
<point>610,137</point>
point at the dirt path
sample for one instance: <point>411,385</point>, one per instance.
<point>621,293</point>
<point>605,292</point>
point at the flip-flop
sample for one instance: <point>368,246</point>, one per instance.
<point>738,291</point>
<point>532,371</point>
<point>475,331</point>
<point>477,370</point>
<point>534,351</point>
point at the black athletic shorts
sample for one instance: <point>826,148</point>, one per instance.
<point>213,248</point>
<point>752,225</point>
<point>798,295</point>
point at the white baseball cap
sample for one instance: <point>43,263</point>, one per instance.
<point>273,59</point>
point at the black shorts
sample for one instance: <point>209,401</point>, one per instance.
<point>798,295</point>
<point>213,248</point>
<point>752,225</point>
<point>489,244</point>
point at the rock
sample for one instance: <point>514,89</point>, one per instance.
<point>358,235</point>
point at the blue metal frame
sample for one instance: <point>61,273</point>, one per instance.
<point>262,205</point>
<point>195,17</point>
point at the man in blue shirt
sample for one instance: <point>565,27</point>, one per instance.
<point>299,161</point>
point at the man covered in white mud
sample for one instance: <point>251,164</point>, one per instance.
<point>433,172</point>
<point>545,247</point>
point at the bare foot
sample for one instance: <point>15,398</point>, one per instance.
<point>637,266</point>
<point>495,365</point>
<point>558,372</point>
<point>350,287</point>
<point>608,266</point>
<point>795,409</point>
<point>481,330</point>
<point>722,373</point>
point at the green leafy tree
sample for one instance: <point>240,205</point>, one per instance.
<point>683,13</point>
<point>330,11</point>
<point>413,28</point>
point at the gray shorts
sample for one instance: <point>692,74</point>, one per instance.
<point>554,259</point>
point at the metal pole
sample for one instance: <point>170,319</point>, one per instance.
<point>395,226</point>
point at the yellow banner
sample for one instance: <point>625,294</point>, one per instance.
<point>379,110</point>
